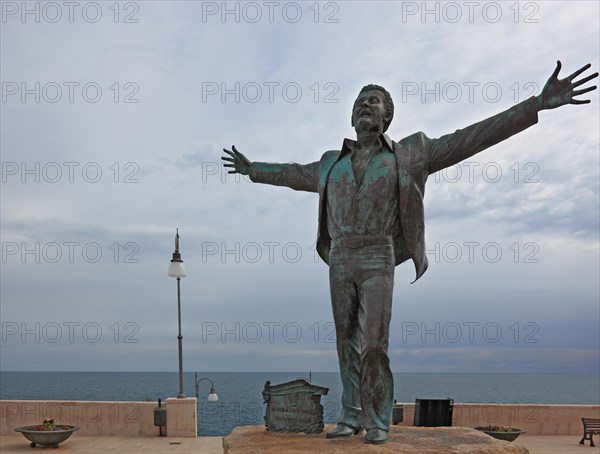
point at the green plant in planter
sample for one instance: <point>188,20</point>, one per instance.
<point>48,424</point>
<point>496,428</point>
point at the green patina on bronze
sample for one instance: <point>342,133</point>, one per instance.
<point>371,218</point>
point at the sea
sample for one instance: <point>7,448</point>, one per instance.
<point>240,399</point>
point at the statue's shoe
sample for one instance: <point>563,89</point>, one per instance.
<point>376,436</point>
<point>341,431</point>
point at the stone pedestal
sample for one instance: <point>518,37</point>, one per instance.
<point>182,417</point>
<point>402,440</point>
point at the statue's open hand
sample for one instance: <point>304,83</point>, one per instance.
<point>238,162</point>
<point>558,92</point>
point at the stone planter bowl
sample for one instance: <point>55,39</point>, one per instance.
<point>506,436</point>
<point>47,437</point>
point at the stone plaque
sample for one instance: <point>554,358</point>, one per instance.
<point>294,406</point>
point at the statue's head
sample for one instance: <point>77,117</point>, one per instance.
<point>374,97</point>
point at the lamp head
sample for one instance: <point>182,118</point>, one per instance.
<point>176,268</point>
<point>212,395</point>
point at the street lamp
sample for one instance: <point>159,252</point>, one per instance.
<point>212,395</point>
<point>177,270</point>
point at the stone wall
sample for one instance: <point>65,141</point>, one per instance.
<point>536,419</point>
<point>94,418</point>
<point>137,418</point>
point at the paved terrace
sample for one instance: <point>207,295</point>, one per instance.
<point>16,443</point>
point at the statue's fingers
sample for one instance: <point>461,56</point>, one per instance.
<point>225,158</point>
<point>235,149</point>
<point>585,90</point>
<point>232,171</point>
<point>229,152</point>
<point>557,70</point>
<point>582,81</point>
<point>579,71</point>
<point>229,165</point>
<point>578,101</point>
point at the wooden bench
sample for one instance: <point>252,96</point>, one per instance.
<point>591,426</point>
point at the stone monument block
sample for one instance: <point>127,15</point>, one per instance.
<point>294,406</point>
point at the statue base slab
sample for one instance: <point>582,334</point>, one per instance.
<point>402,440</point>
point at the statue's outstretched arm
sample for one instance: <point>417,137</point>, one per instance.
<point>300,177</point>
<point>464,143</point>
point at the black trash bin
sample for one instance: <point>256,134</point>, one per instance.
<point>160,417</point>
<point>433,412</point>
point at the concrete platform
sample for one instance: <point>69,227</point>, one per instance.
<point>557,444</point>
<point>16,443</point>
<point>402,440</point>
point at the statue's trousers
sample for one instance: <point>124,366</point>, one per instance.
<point>361,276</point>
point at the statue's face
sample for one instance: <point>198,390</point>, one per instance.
<point>369,111</point>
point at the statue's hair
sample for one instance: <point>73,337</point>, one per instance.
<point>387,102</point>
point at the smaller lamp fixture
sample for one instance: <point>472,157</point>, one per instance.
<point>212,395</point>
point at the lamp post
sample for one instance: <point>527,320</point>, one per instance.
<point>212,395</point>
<point>177,270</point>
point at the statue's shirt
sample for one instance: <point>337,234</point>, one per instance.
<point>383,207</point>
<point>365,206</point>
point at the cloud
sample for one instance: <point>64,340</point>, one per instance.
<point>131,149</point>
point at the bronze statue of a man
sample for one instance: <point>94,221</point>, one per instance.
<point>371,219</point>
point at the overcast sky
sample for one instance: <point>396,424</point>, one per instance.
<point>113,117</point>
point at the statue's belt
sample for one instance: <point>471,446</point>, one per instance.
<point>356,241</point>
